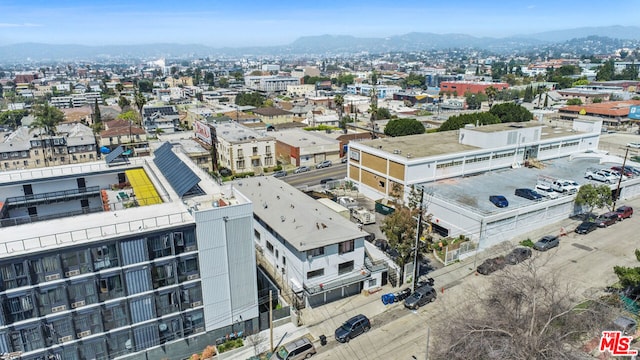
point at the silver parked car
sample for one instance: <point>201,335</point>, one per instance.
<point>301,169</point>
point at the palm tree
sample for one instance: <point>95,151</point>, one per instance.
<point>140,101</point>
<point>339,101</point>
<point>47,119</point>
<point>491,94</point>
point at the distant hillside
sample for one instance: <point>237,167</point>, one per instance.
<point>331,45</point>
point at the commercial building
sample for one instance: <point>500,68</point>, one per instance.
<point>300,147</point>
<point>462,87</point>
<point>270,84</point>
<point>139,259</point>
<point>388,168</point>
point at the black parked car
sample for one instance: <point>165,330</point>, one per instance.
<point>423,295</point>
<point>353,327</point>
<point>586,227</point>
<point>491,265</point>
<point>528,194</point>
<point>518,255</point>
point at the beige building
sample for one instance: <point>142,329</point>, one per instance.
<point>29,148</point>
<point>242,149</point>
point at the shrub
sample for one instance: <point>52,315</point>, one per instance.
<point>527,243</point>
<point>208,352</point>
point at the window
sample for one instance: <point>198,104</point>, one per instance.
<point>51,300</point>
<point>160,246</point>
<point>47,268</point>
<point>346,246</point>
<point>270,247</point>
<point>14,275</point>
<point>27,339</point>
<point>82,293</point>
<point>240,164</point>
<point>19,308</point>
<point>255,150</point>
<point>75,262</point>
<point>104,257</point>
<point>167,303</point>
<point>110,287</point>
<point>87,323</point>
<point>256,234</point>
<point>315,273</point>
<point>115,316</point>
<point>188,269</point>
<point>163,275</point>
<point>345,267</point>
<point>191,297</point>
<point>315,252</point>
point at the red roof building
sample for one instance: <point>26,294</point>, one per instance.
<point>474,87</point>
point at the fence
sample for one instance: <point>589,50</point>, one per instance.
<point>451,256</point>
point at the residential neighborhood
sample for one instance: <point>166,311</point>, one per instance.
<point>190,207</point>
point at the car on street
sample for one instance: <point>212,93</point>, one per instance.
<point>280,173</point>
<point>301,169</point>
<point>546,191</point>
<point>624,212</point>
<point>343,160</point>
<point>324,164</point>
<point>353,327</point>
<point>586,227</point>
<point>528,194</point>
<point>326,180</point>
<point>299,349</point>
<point>547,242</point>
<point>635,145</point>
<point>518,255</point>
<point>607,219</point>
<point>491,265</point>
<point>499,201</point>
<point>423,295</point>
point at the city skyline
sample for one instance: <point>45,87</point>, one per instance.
<point>268,24</point>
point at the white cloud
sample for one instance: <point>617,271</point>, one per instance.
<point>8,25</point>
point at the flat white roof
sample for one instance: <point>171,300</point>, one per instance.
<point>302,221</point>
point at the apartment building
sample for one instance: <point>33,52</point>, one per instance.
<point>29,148</point>
<point>308,248</point>
<point>242,149</point>
<point>145,259</point>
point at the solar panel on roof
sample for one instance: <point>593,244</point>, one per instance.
<point>179,175</point>
<point>114,155</point>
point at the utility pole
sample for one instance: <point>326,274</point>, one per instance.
<point>427,354</point>
<point>270,322</point>
<point>624,162</point>
<point>415,250</point>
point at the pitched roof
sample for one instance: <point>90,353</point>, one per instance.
<point>271,111</point>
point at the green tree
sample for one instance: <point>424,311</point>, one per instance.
<point>345,79</point>
<point>119,87</point>
<point>580,82</point>
<point>528,94</point>
<point>97,118</point>
<point>223,82</point>
<point>629,276</point>
<point>339,101</point>
<point>510,112</point>
<point>606,71</point>
<point>12,118</point>
<point>459,121</point>
<point>574,101</point>
<point>491,94</point>
<point>124,103</point>
<point>250,99</point>
<point>383,113</point>
<point>374,78</point>
<point>593,196</point>
<point>145,86</point>
<point>414,80</point>
<point>403,127</point>
<point>130,115</point>
<point>140,100</point>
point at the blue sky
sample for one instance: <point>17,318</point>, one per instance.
<point>262,23</point>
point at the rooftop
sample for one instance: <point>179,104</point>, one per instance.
<point>302,221</point>
<point>67,231</point>
<point>234,132</point>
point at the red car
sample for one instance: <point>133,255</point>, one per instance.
<point>626,172</point>
<point>624,212</point>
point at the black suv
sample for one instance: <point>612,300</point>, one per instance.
<point>424,294</point>
<point>353,327</point>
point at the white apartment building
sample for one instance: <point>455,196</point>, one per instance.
<point>270,83</point>
<point>308,248</point>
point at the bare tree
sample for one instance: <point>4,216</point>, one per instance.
<point>256,341</point>
<point>525,313</point>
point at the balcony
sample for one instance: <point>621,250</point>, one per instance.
<point>52,197</point>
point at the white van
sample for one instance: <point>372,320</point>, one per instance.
<point>299,349</point>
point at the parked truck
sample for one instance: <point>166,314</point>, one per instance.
<point>363,215</point>
<point>559,185</point>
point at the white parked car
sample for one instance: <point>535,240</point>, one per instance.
<point>546,191</point>
<point>635,145</point>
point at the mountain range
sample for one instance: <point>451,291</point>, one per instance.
<point>321,45</point>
